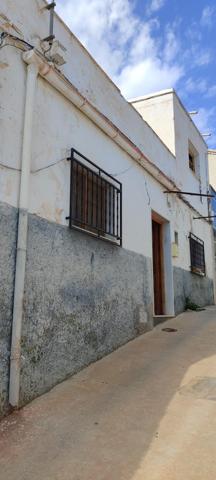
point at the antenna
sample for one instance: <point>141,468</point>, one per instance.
<point>51,36</point>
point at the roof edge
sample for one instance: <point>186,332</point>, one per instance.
<point>160,93</point>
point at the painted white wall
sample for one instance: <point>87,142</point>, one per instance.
<point>186,132</point>
<point>59,125</point>
<point>169,119</point>
<point>157,110</point>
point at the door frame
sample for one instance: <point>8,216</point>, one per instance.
<point>167,267</point>
<point>158,267</point>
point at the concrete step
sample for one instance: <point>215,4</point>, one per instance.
<point>161,318</point>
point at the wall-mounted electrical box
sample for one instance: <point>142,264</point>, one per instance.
<point>175,245</point>
<point>175,250</point>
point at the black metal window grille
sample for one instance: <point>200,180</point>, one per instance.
<point>95,200</point>
<point>197,254</point>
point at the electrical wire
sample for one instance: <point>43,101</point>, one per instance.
<point>127,170</point>
<point>121,172</point>
<point>48,166</point>
<point>10,168</point>
<point>2,36</point>
<point>24,44</point>
<point>46,51</point>
<point>33,171</point>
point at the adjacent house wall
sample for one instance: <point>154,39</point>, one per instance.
<point>212,181</point>
<point>212,168</point>
<point>213,208</point>
<point>186,135</point>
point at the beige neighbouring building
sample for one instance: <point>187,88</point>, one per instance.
<point>212,168</point>
<point>212,182</point>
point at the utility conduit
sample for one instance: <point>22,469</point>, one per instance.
<point>15,359</point>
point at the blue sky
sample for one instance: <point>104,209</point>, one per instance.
<point>149,45</point>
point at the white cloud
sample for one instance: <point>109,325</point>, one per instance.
<point>139,55</point>
<point>155,5</point>
<point>147,76</point>
<point>103,27</point>
<point>124,44</point>
<point>211,92</point>
<point>200,85</point>
<point>205,123</point>
<point>193,86</point>
<point>202,58</point>
<point>172,45</point>
<point>207,17</point>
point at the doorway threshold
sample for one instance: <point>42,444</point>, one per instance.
<point>161,318</point>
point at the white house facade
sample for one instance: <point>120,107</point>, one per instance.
<point>93,249</point>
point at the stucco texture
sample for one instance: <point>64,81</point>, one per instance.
<point>199,290</point>
<point>83,298</point>
<point>8,236</point>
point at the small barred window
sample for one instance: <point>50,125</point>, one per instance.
<point>197,254</point>
<point>95,200</point>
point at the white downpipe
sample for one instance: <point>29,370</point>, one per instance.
<point>15,359</point>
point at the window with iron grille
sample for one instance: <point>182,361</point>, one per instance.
<point>197,254</point>
<point>95,200</point>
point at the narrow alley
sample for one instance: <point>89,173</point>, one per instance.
<point>145,412</point>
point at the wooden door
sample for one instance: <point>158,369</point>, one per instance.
<point>157,268</point>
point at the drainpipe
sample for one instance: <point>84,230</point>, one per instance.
<point>15,359</point>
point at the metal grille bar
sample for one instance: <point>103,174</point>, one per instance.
<point>197,254</point>
<point>95,200</point>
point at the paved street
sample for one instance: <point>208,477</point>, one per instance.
<point>146,412</point>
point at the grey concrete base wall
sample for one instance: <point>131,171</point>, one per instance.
<point>83,298</point>
<point>8,236</point>
<point>199,290</point>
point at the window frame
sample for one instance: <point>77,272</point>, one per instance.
<point>101,216</point>
<point>197,268</point>
<point>192,162</point>
<point>194,154</point>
